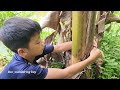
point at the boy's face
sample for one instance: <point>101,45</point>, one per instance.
<point>36,45</point>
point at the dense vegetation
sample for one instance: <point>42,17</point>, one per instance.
<point>111,48</point>
<point>110,44</point>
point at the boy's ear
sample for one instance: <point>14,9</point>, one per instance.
<point>22,51</point>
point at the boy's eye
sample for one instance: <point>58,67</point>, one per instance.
<point>38,43</point>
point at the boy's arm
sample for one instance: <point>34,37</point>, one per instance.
<point>56,48</point>
<point>63,47</point>
<point>66,46</point>
<point>54,73</point>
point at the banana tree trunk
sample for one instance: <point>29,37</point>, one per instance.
<point>83,30</point>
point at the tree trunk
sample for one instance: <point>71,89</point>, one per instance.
<point>83,30</point>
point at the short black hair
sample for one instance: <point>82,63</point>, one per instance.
<point>17,32</point>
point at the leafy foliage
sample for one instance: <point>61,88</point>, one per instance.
<point>5,54</point>
<point>110,45</point>
<point>56,65</point>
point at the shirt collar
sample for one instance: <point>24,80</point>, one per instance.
<point>19,58</point>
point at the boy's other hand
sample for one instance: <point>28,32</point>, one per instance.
<point>95,53</point>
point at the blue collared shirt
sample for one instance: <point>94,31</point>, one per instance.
<point>20,68</point>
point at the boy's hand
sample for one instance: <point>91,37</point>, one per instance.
<point>95,53</point>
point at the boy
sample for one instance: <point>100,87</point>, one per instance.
<point>21,35</point>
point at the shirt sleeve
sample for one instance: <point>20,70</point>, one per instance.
<point>34,72</point>
<point>47,49</point>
